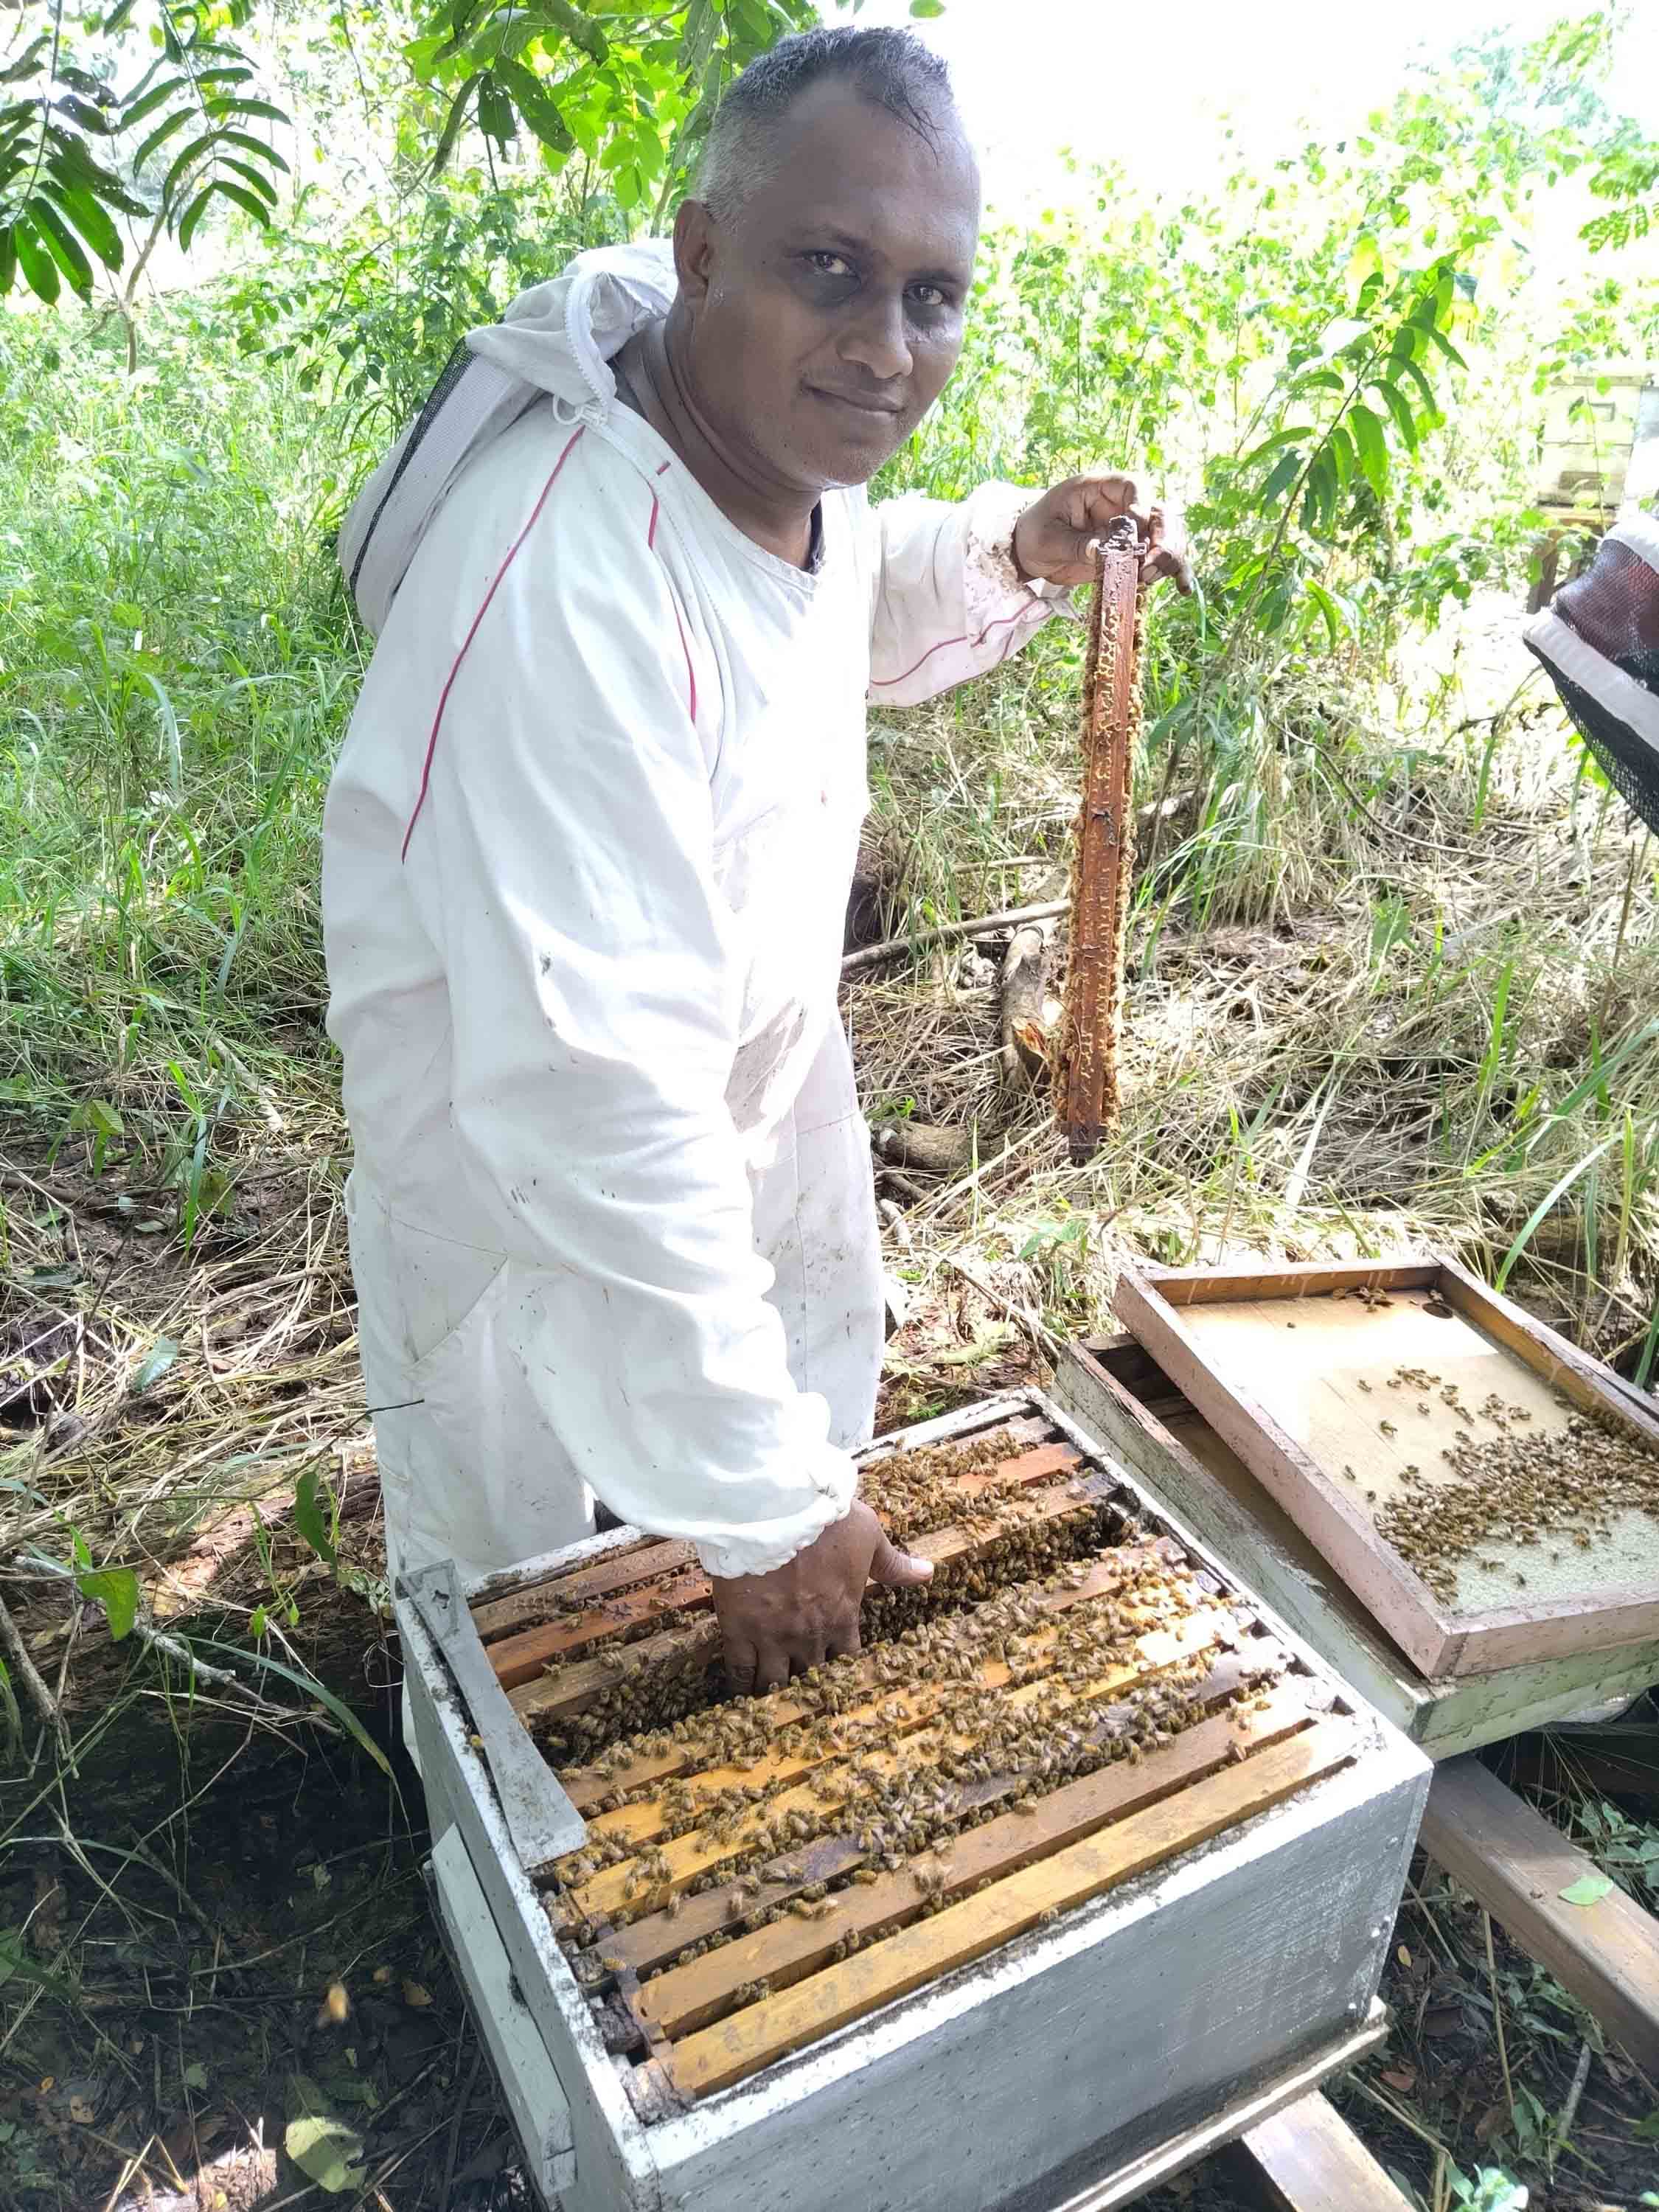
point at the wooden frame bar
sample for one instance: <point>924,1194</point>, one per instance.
<point>694,1639</point>
<point>1154,1304</point>
<point>732,2049</point>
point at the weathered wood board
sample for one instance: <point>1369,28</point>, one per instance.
<point>1301,1375</point>
<point>1517,1863</point>
<point>1120,1393</point>
<point>1310,2161</point>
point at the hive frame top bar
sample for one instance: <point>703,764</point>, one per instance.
<point>964,1422</point>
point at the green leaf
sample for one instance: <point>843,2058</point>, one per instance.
<point>258,1621</point>
<point>162,132</point>
<point>454,121</point>
<point>310,1519</point>
<point>327,2152</point>
<point>1284,476</point>
<point>154,1364</point>
<point>1404,421</point>
<point>580,28</point>
<point>1293,436</point>
<point>249,144</point>
<point>537,105</point>
<point>259,186</point>
<point>39,269</point>
<point>495,116</point>
<point>255,209</point>
<point>184,163</point>
<point>92,221</point>
<point>324,1697</point>
<point>1444,344</point>
<point>1371,446</point>
<point>1589,1889</point>
<point>158,96</point>
<point>259,110</point>
<point>116,1588</point>
<point>1647,2131</point>
<point>1327,606</point>
<point>926,7</point>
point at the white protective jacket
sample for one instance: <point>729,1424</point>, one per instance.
<point>586,858</point>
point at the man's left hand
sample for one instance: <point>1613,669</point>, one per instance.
<point>1052,538</point>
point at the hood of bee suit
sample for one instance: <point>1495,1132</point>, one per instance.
<point>1599,642</point>
<point>556,341</point>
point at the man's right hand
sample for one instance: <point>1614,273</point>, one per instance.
<point>777,1625</point>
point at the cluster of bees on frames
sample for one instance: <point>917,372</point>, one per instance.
<point>915,1492</point>
<point>1554,1492</point>
<point>869,1768</point>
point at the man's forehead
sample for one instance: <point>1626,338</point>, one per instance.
<point>851,168</point>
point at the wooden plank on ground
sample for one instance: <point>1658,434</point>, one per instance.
<point>1517,1863</point>
<point>1311,2161</point>
<point>743,2044</point>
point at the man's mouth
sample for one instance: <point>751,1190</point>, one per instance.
<point>861,403</point>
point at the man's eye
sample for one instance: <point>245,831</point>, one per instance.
<point>829,265</point>
<point>928,295</point>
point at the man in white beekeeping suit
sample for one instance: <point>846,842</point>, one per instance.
<point>587,851</point>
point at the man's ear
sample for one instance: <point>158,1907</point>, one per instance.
<point>695,229</point>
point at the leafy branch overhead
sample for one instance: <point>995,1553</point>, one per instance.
<point>149,112</point>
<point>77,150</point>
<point>630,88</point>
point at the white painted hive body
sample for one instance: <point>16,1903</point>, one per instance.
<point>1072,2064</point>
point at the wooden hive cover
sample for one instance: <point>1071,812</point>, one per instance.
<point>1427,1436</point>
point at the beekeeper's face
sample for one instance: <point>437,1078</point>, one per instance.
<point>827,310</point>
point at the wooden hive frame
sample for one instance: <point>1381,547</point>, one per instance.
<point>1172,1312</point>
<point>1259,1838</point>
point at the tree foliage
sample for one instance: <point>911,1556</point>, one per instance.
<point>149,110</point>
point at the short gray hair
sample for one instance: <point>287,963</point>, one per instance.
<point>891,68</point>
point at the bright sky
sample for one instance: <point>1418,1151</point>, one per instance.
<point>1146,85</point>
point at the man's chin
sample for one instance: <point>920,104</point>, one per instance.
<point>853,457</point>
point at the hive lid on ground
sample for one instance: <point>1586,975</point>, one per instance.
<point>1487,1490</point>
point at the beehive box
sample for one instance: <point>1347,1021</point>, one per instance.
<point>1083,1862</point>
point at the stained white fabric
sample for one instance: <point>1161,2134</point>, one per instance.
<point>587,853</point>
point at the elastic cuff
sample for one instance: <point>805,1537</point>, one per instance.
<point>743,1552</point>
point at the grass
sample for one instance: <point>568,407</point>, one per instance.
<point>1395,978</point>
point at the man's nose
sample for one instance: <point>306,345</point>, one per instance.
<point>875,339</point>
